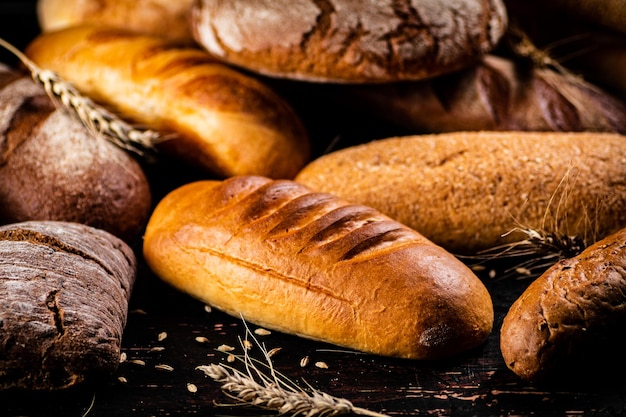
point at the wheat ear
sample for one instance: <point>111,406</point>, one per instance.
<point>275,392</point>
<point>97,119</point>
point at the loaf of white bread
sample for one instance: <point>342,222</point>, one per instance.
<point>311,264</point>
<point>214,117</point>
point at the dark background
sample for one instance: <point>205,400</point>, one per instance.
<point>477,383</point>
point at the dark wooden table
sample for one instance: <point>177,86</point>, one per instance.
<point>163,327</point>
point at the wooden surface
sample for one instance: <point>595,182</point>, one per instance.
<point>475,384</point>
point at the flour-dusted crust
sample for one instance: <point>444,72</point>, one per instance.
<point>349,40</point>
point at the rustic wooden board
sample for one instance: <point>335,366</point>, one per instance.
<point>477,383</point>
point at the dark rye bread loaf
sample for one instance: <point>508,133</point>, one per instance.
<point>348,40</point>
<point>65,289</point>
<point>52,168</point>
<point>567,327</point>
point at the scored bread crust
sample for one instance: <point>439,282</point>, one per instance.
<point>348,40</point>
<point>311,264</point>
<point>219,119</point>
<point>145,16</point>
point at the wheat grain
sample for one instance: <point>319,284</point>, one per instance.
<point>273,391</point>
<point>98,120</point>
<point>274,396</point>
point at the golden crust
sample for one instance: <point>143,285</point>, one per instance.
<point>221,119</point>
<point>314,265</point>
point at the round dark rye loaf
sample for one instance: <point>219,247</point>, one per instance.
<point>348,40</point>
<point>65,289</point>
<point>53,168</point>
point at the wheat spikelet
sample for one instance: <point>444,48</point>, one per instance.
<point>97,119</point>
<point>275,392</point>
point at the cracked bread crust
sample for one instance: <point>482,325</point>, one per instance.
<point>348,40</point>
<point>568,324</point>
<point>65,289</point>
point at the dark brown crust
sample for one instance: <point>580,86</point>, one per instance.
<point>569,323</point>
<point>348,41</point>
<point>66,289</point>
<point>52,168</point>
<point>495,94</point>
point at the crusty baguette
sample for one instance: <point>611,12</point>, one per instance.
<point>466,190</point>
<point>349,41</point>
<point>165,18</point>
<point>53,168</point>
<point>495,94</point>
<point>312,264</point>
<point>567,327</point>
<point>220,119</point>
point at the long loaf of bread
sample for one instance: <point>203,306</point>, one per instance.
<point>220,119</point>
<point>311,264</point>
<point>472,191</point>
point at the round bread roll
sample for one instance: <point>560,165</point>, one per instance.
<point>53,168</point>
<point>348,40</point>
<point>145,16</point>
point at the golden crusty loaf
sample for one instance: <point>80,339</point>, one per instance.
<point>348,40</point>
<point>220,119</point>
<point>466,190</point>
<point>311,264</point>
<point>159,17</point>
<point>567,327</point>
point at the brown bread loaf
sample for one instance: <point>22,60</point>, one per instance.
<point>311,264</point>
<point>65,289</point>
<point>159,17</point>
<point>218,119</point>
<point>567,326</point>
<point>348,40</point>
<point>495,94</point>
<point>473,191</point>
<point>52,168</point>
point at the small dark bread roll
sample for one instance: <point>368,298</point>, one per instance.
<point>348,40</point>
<point>65,289</point>
<point>567,327</point>
<point>53,168</point>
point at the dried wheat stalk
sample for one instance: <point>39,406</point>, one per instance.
<point>273,391</point>
<point>95,118</point>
